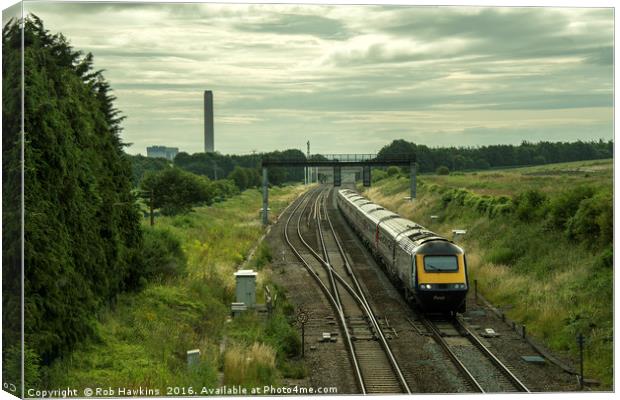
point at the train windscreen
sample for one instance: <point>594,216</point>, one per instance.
<point>440,264</point>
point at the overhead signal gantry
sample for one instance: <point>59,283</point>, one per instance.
<point>337,162</point>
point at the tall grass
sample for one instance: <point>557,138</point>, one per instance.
<point>250,365</point>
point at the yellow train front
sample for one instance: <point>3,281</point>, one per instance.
<point>440,277</point>
<point>429,268</point>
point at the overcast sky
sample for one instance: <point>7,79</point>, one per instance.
<point>348,78</point>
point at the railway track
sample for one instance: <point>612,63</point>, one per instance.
<point>310,234</point>
<point>478,365</point>
<point>374,365</point>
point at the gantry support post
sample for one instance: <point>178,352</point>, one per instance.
<point>366,175</point>
<point>413,179</point>
<point>265,197</point>
<point>337,176</point>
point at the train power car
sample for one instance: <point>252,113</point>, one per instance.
<point>431,269</point>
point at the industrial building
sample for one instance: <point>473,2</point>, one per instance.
<point>162,152</point>
<point>209,134</point>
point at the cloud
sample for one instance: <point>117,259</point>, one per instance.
<point>295,24</point>
<point>349,78</point>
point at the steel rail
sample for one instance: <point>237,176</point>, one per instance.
<point>366,309</point>
<point>326,291</point>
<point>370,312</point>
<point>330,269</point>
<point>485,350</point>
<point>430,326</point>
<point>442,342</point>
<point>362,304</point>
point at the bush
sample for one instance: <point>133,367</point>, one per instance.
<point>391,171</point>
<point>162,255</point>
<point>283,337</point>
<point>376,175</point>
<point>224,188</point>
<point>593,221</point>
<point>565,205</point>
<point>529,205</point>
<point>606,259</point>
<point>443,170</point>
<point>244,177</point>
<point>500,209</point>
<point>294,370</point>
<point>262,257</point>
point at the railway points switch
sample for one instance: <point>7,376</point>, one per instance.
<point>246,287</point>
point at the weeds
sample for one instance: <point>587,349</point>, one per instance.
<point>250,366</point>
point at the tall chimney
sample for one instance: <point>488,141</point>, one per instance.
<point>209,134</point>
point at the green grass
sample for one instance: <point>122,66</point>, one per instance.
<point>143,339</point>
<point>556,285</point>
<point>547,178</point>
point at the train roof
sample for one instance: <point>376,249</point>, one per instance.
<point>410,235</point>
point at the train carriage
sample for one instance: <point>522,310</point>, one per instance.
<point>431,269</point>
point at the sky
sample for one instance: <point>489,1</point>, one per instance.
<point>348,78</point>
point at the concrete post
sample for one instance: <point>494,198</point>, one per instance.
<point>193,357</point>
<point>265,197</point>
<point>413,180</point>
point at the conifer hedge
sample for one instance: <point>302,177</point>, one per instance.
<point>82,227</point>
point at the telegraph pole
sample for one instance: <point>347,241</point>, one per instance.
<point>308,158</point>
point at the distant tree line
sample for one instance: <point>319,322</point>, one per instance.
<point>244,170</point>
<point>216,165</point>
<point>495,156</point>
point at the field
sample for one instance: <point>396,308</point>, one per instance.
<point>539,242</point>
<point>143,339</point>
<point>546,178</point>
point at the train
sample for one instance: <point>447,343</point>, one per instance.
<point>430,269</point>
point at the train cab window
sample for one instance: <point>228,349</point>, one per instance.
<point>440,264</point>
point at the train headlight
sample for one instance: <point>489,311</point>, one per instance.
<point>460,286</point>
<point>425,286</point>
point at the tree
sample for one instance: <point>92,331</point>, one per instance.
<point>392,170</point>
<point>140,165</point>
<point>82,228</point>
<point>443,170</point>
<point>176,191</point>
<point>240,177</point>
